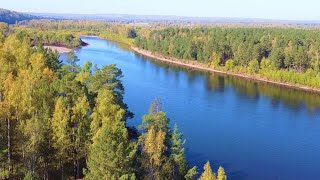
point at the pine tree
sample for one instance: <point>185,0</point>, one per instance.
<point>207,173</point>
<point>153,153</point>
<point>155,143</point>
<point>221,174</point>
<point>85,74</point>
<point>158,119</point>
<point>105,106</point>
<point>111,154</point>
<point>177,153</point>
<point>154,146</point>
<point>109,77</point>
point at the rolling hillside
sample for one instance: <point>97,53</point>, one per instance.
<point>12,17</point>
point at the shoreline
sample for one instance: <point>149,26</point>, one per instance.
<point>60,49</point>
<point>89,36</point>
<point>201,67</point>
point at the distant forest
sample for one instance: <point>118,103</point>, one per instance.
<point>286,55</point>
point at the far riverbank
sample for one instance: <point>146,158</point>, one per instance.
<point>204,68</point>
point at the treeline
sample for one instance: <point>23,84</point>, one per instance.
<point>50,37</point>
<point>122,33</point>
<point>88,27</point>
<point>62,121</point>
<point>285,55</point>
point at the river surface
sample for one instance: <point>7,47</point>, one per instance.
<point>256,131</point>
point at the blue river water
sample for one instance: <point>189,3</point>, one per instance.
<point>256,131</point>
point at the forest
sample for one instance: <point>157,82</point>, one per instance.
<point>62,121</point>
<point>280,54</point>
<point>122,33</point>
<point>54,38</point>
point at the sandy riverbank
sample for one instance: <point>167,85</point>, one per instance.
<point>90,36</point>
<point>59,49</point>
<point>202,67</point>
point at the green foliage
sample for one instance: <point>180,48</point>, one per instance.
<point>51,58</point>
<point>156,118</point>
<point>4,174</point>
<point>77,27</point>
<point>229,65</point>
<point>132,33</point>
<point>191,174</point>
<point>265,64</point>
<point>121,33</point>
<point>284,54</point>
<point>26,100</point>
<point>61,131</point>
<point>117,38</point>
<point>277,58</point>
<point>215,60</point>
<point>253,67</point>
<point>4,28</point>
<point>111,154</point>
<point>156,143</point>
<point>177,153</point>
<point>55,38</point>
<point>30,176</point>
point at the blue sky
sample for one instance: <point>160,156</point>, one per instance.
<point>269,9</point>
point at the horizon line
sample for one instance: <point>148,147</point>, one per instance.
<point>170,15</point>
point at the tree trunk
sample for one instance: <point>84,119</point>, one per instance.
<point>74,167</point>
<point>61,170</point>
<point>78,169</point>
<point>9,145</point>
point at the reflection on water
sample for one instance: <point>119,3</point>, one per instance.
<point>293,98</point>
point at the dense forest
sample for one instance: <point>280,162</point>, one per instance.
<point>285,55</point>
<point>55,38</point>
<point>62,121</point>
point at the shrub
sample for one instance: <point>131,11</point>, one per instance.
<point>253,67</point>
<point>229,65</point>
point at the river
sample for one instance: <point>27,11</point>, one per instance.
<point>254,130</point>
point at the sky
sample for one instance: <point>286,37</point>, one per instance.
<point>266,9</point>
